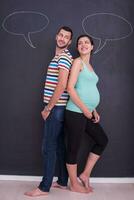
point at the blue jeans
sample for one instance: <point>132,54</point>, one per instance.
<point>53,148</point>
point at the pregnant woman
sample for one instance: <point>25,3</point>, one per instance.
<point>81,116</point>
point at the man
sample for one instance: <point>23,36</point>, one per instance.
<point>55,99</point>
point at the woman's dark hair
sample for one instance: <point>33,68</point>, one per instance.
<point>84,35</point>
<point>66,28</point>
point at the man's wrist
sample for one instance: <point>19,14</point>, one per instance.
<point>47,108</point>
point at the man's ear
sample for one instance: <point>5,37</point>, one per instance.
<point>69,42</point>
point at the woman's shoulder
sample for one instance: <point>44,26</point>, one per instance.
<point>77,61</point>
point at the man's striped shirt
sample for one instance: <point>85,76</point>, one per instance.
<point>62,61</point>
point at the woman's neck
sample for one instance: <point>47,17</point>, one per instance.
<point>85,58</point>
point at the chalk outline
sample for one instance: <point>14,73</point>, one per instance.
<point>27,40</point>
<point>100,40</point>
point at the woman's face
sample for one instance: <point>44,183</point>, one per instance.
<point>84,46</point>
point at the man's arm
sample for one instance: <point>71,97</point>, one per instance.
<point>61,86</point>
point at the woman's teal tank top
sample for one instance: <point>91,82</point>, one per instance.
<point>86,89</point>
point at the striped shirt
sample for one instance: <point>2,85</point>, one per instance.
<point>62,61</point>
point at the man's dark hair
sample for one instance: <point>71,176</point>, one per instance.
<point>66,28</point>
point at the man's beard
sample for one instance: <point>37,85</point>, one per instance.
<point>63,47</point>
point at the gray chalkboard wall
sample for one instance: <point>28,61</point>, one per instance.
<point>27,42</point>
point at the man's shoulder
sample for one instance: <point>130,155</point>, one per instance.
<point>65,54</point>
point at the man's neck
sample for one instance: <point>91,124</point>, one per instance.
<point>59,50</point>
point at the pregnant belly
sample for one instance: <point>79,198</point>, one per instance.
<point>91,98</point>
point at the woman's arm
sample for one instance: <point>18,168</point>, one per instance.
<point>75,70</point>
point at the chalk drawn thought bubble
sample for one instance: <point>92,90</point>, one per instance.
<point>25,23</point>
<point>106,27</point>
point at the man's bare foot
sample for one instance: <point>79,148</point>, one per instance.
<point>35,193</point>
<point>85,181</point>
<point>79,188</point>
<point>56,185</point>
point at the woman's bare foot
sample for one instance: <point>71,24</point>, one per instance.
<point>79,188</point>
<point>85,181</point>
<point>35,193</point>
<point>56,185</point>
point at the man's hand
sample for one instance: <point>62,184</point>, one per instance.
<point>45,113</point>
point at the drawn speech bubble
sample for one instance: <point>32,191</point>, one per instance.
<point>106,27</point>
<point>25,23</point>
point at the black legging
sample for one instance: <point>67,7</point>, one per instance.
<point>75,125</point>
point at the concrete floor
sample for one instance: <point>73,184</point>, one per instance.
<point>14,190</point>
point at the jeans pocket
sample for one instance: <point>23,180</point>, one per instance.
<point>59,114</point>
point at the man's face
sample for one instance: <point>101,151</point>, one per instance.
<point>63,39</point>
